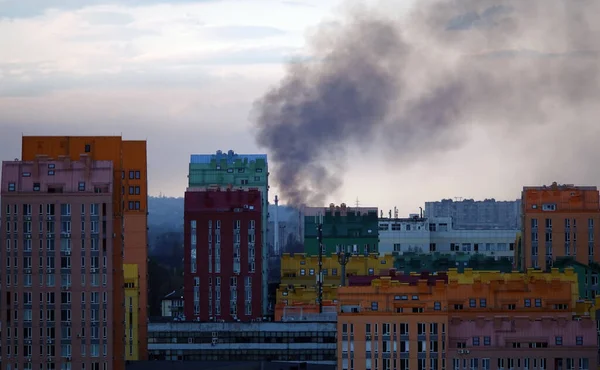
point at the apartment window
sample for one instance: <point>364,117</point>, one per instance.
<point>87,148</point>
<point>138,190</point>
<point>81,186</point>
<point>548,223</point>
<point>527,302</point>
<point>590,222</point>
<point>437,306</point>
<point>26,174</point>
<point>483,303</point>
<point>475,341</point>
<point>487,341</point>
<point>374,306</point>
<point>36,186</point>
<point>12,186</point>
<point>558,341</point>
<point>131,205</point>
<point>131,175</point>
<point>538,302</point>
<point>137,205</point>
<point>138,175</point>
<point>579,341</point>
<point>472,303</point>
<point>131,190</point>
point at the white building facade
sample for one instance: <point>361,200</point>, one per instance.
<point>436,234</point>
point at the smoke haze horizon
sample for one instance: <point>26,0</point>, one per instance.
<point>416,85</point>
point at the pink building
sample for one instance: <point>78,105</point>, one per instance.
<point>56,243</point>
<point>525,342</point>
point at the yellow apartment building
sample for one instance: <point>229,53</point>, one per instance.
<point>132,304</point>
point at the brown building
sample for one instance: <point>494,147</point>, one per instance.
<point>559,220</point>
<point>129,219</point>
<point>222,264</point>
<point>57,283</point>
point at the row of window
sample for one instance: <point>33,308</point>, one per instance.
<point>65,244</point>
<point>65,262</point>
<point>50,209</point>
<point>240,170</point>
<point>50,315</point>
<point>55,366</point>
<point>236,225</point>
<point>568,224</point>
<point>50,298</point>
<point>387,328</point>
<point>65,280</point>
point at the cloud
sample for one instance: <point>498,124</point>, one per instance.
<point>244,32</point>
<point>108,18</point>
<point>32,8</point>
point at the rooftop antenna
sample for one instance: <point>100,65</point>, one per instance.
<point>357,202</point>
<point>395,212</point>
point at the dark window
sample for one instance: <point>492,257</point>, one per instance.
<point>50,172</point>
<point>472,302</point>
<point>483,303</point>
<point>230,170</point>
<point>26,174</point>
<point>51,165</point>
<point>130,205</point>
<point>131,189</point>
<point>137,175</point>
<point>36,186</point>
<point>123,175</point>
<point>81,186</point>
<point>538,302</point>
<point>240,170</point>
<point>437,306</point>
<point>88,148</point>
<point>579,341</point>
<point>131,175</point>
<point>137,190</point>
<point>244,182</point>
<point>487,341</point>
<point>475,341</point>
<point>558,341</point>
<point>12,186</point>
<point>259,170</point>
<point>527,302</point>
<point>137,205</point>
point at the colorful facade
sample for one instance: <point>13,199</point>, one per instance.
<point>57,283</point>
<point>222,249</point>
<point>237,171</point>
<point>343,227</point>
<point>129,214</point>
<point>478,320</point>
<point>560,221</point>
<point>132,309</point>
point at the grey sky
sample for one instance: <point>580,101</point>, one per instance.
<point>184,75</point>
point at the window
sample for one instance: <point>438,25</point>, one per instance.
<point>472,303</point>
<point>437,306</point>
<point>482,303</point>
<point>259,170</point>
<point>12,186</point>
<point>538,302</point>
<point>137,190</point>
<point>131,190</point>
<point>487,341</point>
<point>527,302</point>
<point>475,341</point>
<point>137,205</point>
<point>137,175</point>
<point>579,341</point>
<point>36,186</point>
<point>81,186</point>
<point>87,148</point>
<point>26,174</point>
<point>50,172</point>
<point>131,205</point>
<point>558,341</point>
<point>131,175</point>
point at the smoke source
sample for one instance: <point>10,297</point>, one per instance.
<point>420,81</point>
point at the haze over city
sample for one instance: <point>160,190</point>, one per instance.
<point>185,75</point>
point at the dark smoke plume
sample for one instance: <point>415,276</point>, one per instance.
<point>421,81</point>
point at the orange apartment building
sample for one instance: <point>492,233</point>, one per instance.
<point>392,325</point>
<point>478,320</point>
<point>129,218</point>
<point>559,220</point>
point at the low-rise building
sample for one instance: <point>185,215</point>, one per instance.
<point>304,341</point>
<point>172,304</point>
<point>437,234</point>
<point>478,320</point>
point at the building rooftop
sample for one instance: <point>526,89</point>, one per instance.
<point>230,156</point>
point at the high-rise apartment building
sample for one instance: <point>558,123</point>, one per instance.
<point>222,249</point>
<point>471,214</point>
<point>238,171</point>
<point>57,296</point>
<point>559,221</point>
<point>128,217</point>
<point>343,226</point>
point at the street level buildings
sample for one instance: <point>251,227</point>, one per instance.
<point>58,286</point>
<point>222,249</point>
<point>478,320</point>
<point>559,221</point>
<point>237,171</point>
<point>129,219</point>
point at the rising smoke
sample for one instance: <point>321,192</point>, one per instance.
<point>419,81</point>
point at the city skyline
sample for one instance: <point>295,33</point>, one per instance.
<point>185,79</point>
